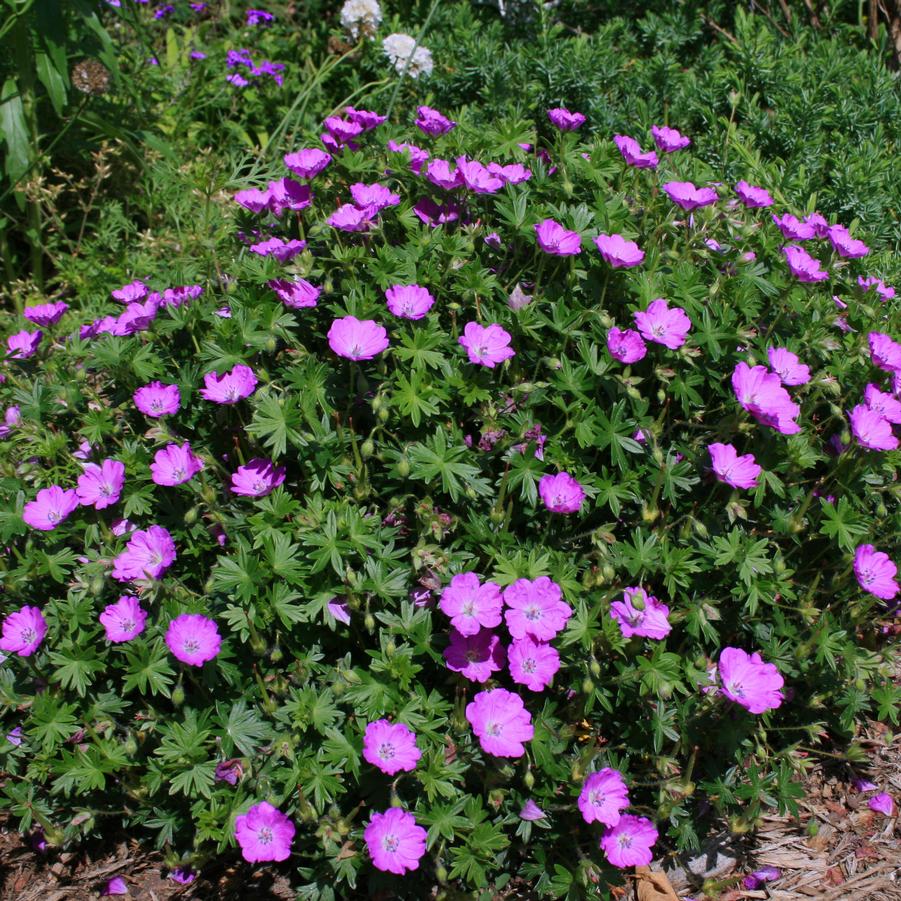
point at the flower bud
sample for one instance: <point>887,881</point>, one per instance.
<point>257,645</point>
<point>587,685</point>
<point>384,414</point>
<point>191,516</point>
<point>178,696</point>
<point>271,344</point>
<point>96,587</point>
<point>377,403</point>
<point>609,572</point>
<point>595,668</point>
<point>276,655</point>
<point>441,874</point>
<point>403,467</point>
<point>390,648</point>
<point>369,623</point>
<point>367,448</point>
<point>529,780</point>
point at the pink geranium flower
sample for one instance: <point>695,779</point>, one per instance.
<point>307,163</point>
<point>501,722</point>
<point>512,174</point>
<point>283,251</point>
<point>885,292</point>
<point>350,218</point>
<point>123,620</point>
<point>367,118</point>
<point>486,345</point>
<point>747,680</point>
<point>640,613</point>
<point>555,239</point>
<point>663,325</point>
<point>618,252</point>
<point>50,508</point>
<point>753,197</point>
<point>629,842</point>
<point>432,122</point>
<point>475,657</point>
<point>297,294</point>
<point>394,841</point>
<point>175,464</point>
<point>802,265</point>
<point>433,214</point>
<point>230,387</point>
<point>871,429</point>
<point>357,339</point>
<point>760,392</point>
<point>253,199</point>
<point>148,554</point>
<point>287,194</point>
<point>632,154</point>
<point>561,493</point>
<point>689,197</point>
<point>669,140</point>
<point>793,229</point>
<point>257,478</point>
<point>440,174</point>
<point>533,663</point>
<point>101,486</point>
<point>470,604</point>
<point>817,221</point>
<point>133,292</point>
<point>115,886</point>
<point>883,403</point>
<point>882,803</point>
<point>264,833</point>
<point>875,572</point>
<point>884,352</point>
<point>344,130</point>
<point>531,812</point>
<point>535,608</point>
<point>23,631</point>
<point>565,120</point>
<point>193,639</point>
<point>478,178</point>
<point>409,301</point>
<point>626,346</point>
<point>373,198</point>
<point>729,467</point>
<point>844,245</point>
<point>417,155</point>
<point>603,796</point>
<point>45,314</point>
<point>24,344</point>
<point>787,366</point>
<point>157,399</point>
<point>391,747</point>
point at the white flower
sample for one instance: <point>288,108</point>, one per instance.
<point>361,17</point>
<point>399,48</point>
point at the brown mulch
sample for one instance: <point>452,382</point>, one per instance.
<point>836,850</point>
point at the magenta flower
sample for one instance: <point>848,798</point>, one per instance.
<point>51,507</point>
<point>760,877</point>
<point>391,747</point>
<point>753,197</point>
<point>875,572</point>
<point>477,178</point>
<point>45,314</point>
<point>793,229</point>
<point>417,155</point>
<point>629,842</point>
<point>626,346</point>
<point>440,174</point>
<point>760,392</point>
<point>787,366</point>
<point>432,122</point>
<point>264,833</point>
<point>24,344</point>
<point>296,294</point>
<point>882,803</point>
<point>287,194</point>
<point>535,608</point>
<point>471,604</point>
<point>884,352</point>
<point>818,223</point>
<point>340,610</point>
<point>193,639</point>
<point>23,631</point>
<point>631,152</point>
<point>148,554</point>
<point>871,429</point>
<point>123,620</point>
<point>157,399</point>
<point>307,163</point>
<point>687,196</point>
<point>433,214</point>
<point>367,118</point>
<point>394,841</point>
<point>230,387</point>
<point>729,467</point>
<point>175,464</point>
<point>117,885</point>
<point>180,295</point>
<point>513,174</point>
<point>343,130</point>
<point>15,737</point>
<point>475,657</point>
<point>257,478</point>
<point>350,218</point>
<point>669,140</point>
<point>532,663</point>
<point>640,613</point>
<point>409,301</point>
<point>554,238</point>
<point>486,345</point>
<point>11,418</point>
<point>357,339</point>
<point>565,120</point>
<point>283,251</point>
<point>101,486</point>
<point>373,198</point>
<point>885,292</point>
<point>748,681</point>
<point>252,199</point>
<point>501,722</point>
<point>618,252</point>
<point>663,325</point>
<point>259,17</point>
<point>561,493</point>
<point>883,403</point>
<point>802,265</point>
<point>133,292</point>
<point>603,796</point>
<point>182,877</point>
<point>844,245</point>
<point>531,812</point>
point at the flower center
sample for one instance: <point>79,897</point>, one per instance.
<point>468,609</point>
<point>54,516</point>
<point>179,474</point>
<point>259,486</point>
<point>127,625</point>
<point>736,688</point>
<point>528,665</point>
<point>624,840</point>
<point>264,835</point>
<point>386,751</point>
<point>532,613</point>
<point>493,729</point>
<point>29,635</point>
<point>391,843</point>
<point>192,646</point>
<point>156,405</point>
